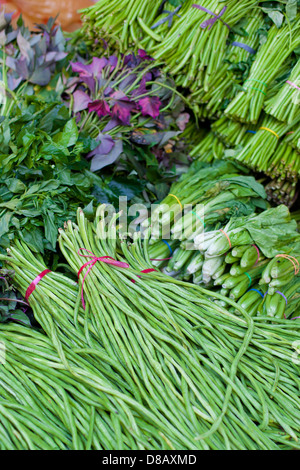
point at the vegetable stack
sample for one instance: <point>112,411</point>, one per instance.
<point>129,352</point>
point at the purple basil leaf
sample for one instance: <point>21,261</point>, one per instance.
<point>80,101</point>
<point>13,83</point>
<point>21,68</point>
<point>2,38</point>
<point>25,48</point>
<point>55,56</point>
<point>150,106</point>
<point>11,36</point>
<point>100,107</point>
<point>41,76</point>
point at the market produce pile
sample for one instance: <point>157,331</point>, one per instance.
<point>241,65</point>
<point>174,326</point>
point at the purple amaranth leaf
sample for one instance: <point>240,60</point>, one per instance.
<point>11,63</point>
<point>106,152</point>
<point>142,90</point>
<point>113,61</point>
<point>70,83</point>
<point>149,106</point>
<point>122,107</point>
<point>80,101</point>
<point>106,145</point>
<point>100,107</point>
<point>112,123</point>
<point>143,55</point>
<point>102,83</point>
<point>127,81</point>
<point>182,121</point>
<point>89,73</point>
<point>131,61</point>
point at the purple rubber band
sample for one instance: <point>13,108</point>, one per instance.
<point>295,318</point>
<point>211,21</point>
<point>244,46</point>
<point>280,293</point>
<point>168,18</point>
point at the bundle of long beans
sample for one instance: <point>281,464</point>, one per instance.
<point>119,23</point>
<point>102,374</point>
<point>45,406</point>
<point>222,84</point>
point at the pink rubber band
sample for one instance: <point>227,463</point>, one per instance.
<point>258,254</point>
<point>34,283</point>
<point>293,85</point>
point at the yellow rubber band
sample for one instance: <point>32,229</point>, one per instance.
<point>173,195</point>
<point>270,130</point>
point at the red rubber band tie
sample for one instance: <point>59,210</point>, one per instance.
<point>92,262</point>
<point>34,283</point>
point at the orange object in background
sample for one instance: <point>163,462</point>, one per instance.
<point>39,11</point>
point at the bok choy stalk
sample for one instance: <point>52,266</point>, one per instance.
<point>202,187</point>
